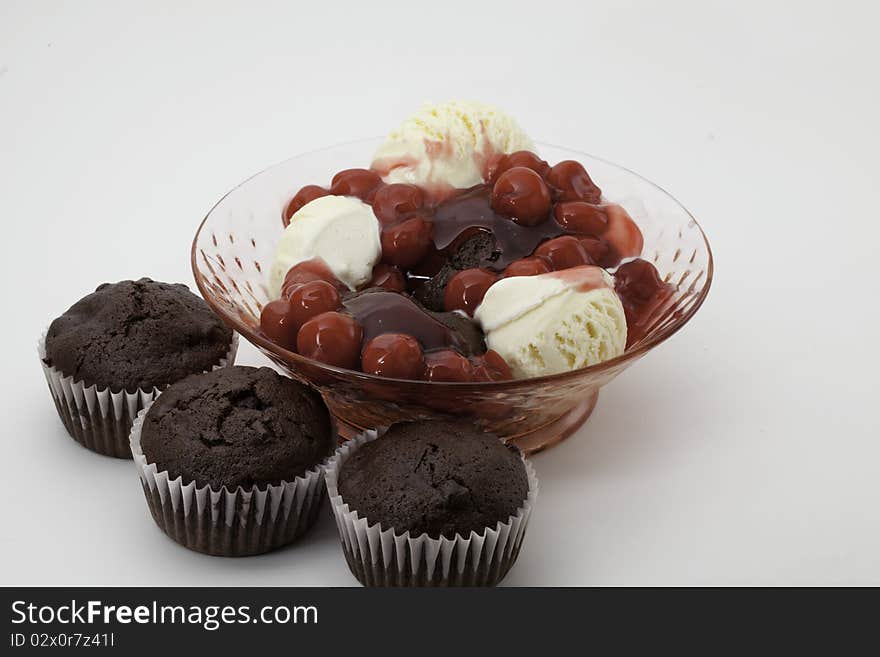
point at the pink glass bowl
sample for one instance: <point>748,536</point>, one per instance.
<point>234,247</point>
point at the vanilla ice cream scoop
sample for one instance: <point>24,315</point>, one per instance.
<point>554,322</point>
<point>448,145</point>
<point>341,230</point>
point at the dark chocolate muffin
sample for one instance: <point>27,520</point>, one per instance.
<point>237,426</point>
<point>136,334</point>
<point>438,477</point>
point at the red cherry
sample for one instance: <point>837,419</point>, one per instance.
<point>564,252</point>
<point>296,281</point>
<point>361,183</point>
<point>407,243</point>
<point>531,266</point>
<point>641,291</point>
<point>623,235</point>
<point>311,299</point>
<point>315,266</point>
<point>331,338</point>
<point>388,277</point>
<point>637,281</point>
<point>393,355</point>
<point>277,325</point>
<point>393,202</point>
<point>447,365</point>
<point>306,195</point>
<point>465,290</point>
<point>580,217</point>
<point>573,183</point>
<point>525,159</point>
<point>491,367</point>
<point>305,272</point>
<point>520,193</point>
<point>599,251</point>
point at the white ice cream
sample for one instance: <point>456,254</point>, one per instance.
<point>341,230</point>
<point>554,322</point>
<point>448,145</point>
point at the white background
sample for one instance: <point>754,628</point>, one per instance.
<point>745,450</point>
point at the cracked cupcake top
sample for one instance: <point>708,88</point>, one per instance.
<point>136,334</point>
<point>438,477</point>
<point>237,426</point>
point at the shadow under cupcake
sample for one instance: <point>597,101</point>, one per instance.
<point>430,503</point>
<point>114,350</point>
<point>231,461</point>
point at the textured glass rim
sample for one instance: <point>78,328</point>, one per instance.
<point>255,338</point>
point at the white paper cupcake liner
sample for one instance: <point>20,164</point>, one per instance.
<point>97,418</point>
<point>236,523</point>
<point>380,557</point>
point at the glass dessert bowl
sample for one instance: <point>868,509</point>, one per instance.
<point>234,248</point>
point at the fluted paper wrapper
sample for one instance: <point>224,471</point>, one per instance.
<point>101,419</point>
<point>380,557</point>
<point>228,523</point>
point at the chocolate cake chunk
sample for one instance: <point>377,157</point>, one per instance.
<point>438,477</point>
<point>479,250</point>
<point>136,334</point>
<point>237,426</point>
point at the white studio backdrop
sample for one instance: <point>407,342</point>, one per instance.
<point>742,451</point>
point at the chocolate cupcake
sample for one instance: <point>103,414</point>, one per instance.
<point>430,503</point>
<point>231,461</point>
<point>115,349</point>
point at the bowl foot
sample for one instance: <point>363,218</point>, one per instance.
<point>530,442</point>
<point>558,430</point>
